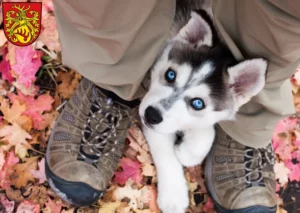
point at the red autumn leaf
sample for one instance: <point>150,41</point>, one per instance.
<point>296,154</point>
<point>28,207</point>
<point>131,169</point>
<point>35,107</point>
<point>5,68</point>
<point>281,140</point>
<point>284,150</point>
<point>8,205</point>
<point>26,66</point>
<point>285,125</point>
<point>209,205</point>
<point>295,171</point>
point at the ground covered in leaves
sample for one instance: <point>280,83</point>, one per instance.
<point>34,87</point>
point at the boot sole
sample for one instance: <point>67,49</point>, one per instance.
<point>76,193</point>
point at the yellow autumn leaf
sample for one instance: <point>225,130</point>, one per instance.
<point>110,207</point>
<point>15,136</point>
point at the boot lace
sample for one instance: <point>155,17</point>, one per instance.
<point>101,128</point>
<point>262,157</point>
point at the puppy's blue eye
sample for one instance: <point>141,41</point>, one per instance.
<point>197,104</point>
<point>170,76</point>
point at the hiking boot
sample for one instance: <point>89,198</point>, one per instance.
<point>86,143</point>
<point>240,178</point>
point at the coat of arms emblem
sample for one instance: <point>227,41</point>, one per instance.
<point>22,22</point>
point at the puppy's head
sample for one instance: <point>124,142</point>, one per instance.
<point>196,82</point>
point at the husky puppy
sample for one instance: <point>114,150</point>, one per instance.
<point>195,83</point>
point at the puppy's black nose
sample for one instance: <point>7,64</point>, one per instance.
<point>152,115</point>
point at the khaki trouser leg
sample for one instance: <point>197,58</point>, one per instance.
<point>113,42</point>
<point>269,29</point>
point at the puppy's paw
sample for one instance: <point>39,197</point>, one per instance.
<point>173,197</point>
<point>186,157</point>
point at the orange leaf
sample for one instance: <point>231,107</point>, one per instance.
<point>12,113</point>
<point>22,174</point>
<point>69,82</point>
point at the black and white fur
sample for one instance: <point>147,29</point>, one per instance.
<point>206,69</point>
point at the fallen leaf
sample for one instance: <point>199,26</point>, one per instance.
<point>72,210</point>
<point>5,67</point>
<point>57,101</point>
<point>142,211</point>
<point>3,38</point>
<point>124,208</point>
<point>15,136</point>
<point>68,82</point>
<point>196,175</point>
<point>7,170</point>
<point>4,87</point>
<point>14,194</point>
<point>148,170</point>
<point>138,197</point>
<point>283,149</point>
<point>35,137</point>
<point>25,122</point>
<point>281,172</point>
<point>2,159</point>
<point>36,194</point>
<point>152,195</point>
<point>31,90</point>
<point>11,55</point>
<point>48,120</point>
<point>139,144</point>
<point>110,207</point>
<point>26,66</point>
<point>131,169</point>
<point>8,205</point>
<point>28,207</point>
<point>35,107</point>
<point>192,186</point>
<point>13,113</point>
<point>49,34</point>
<point>280,210</point>
<point>209,206</point>
<point>54,207</point>
<point>40,174</point>
<point>294,171</point>
<point>22,174</point>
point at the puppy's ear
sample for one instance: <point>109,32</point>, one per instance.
<point>247,79</point>
<point>197,31</point>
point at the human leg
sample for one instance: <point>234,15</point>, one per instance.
<point>108,44</point>
<point>240,164</point>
